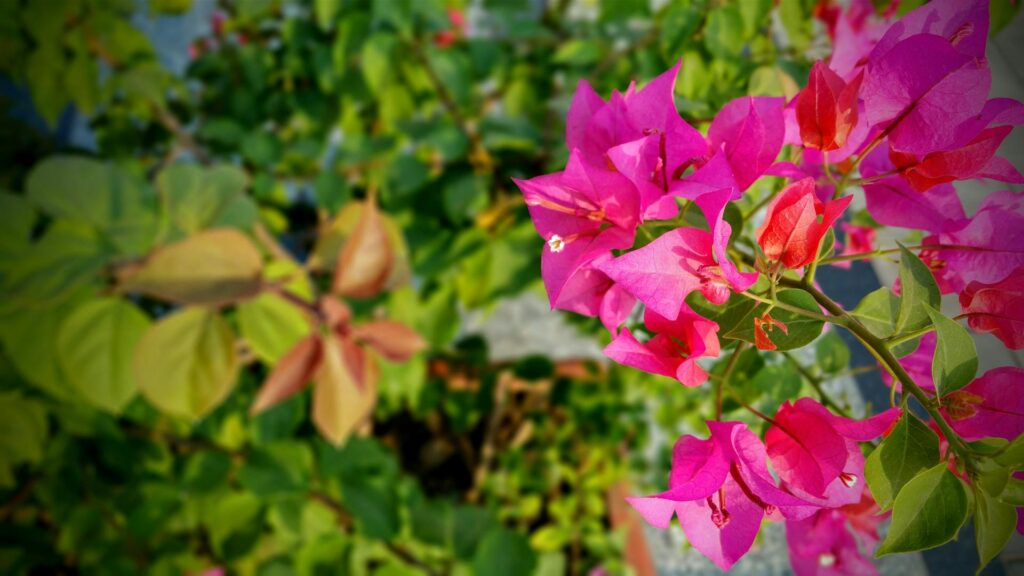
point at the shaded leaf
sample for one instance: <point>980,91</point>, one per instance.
<point>910,448</point>
<point>918,293</point>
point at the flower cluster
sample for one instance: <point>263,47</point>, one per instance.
<point>901,110</point>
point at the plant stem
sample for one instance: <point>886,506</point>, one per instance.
<point>787,307</point>
<point>894,339</point>
<point>816,383</point>
<point>861,255</point>
<point>733,360</point>
<point>877,347</point>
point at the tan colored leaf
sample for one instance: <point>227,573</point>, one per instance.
<point>212,267</point>
<point>333,235</point>
<point>365,260</point>
<point>340,405</point>
<point>393,340</point>
<point>290,374</point>
<point>186,363</point>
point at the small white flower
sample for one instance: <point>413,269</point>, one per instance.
<point>827,560</point>
<point>556,243</point>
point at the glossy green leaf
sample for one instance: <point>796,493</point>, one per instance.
<point>878,311</point>
<point>918,293</point>
<point>95,346</point>
<point>928,512</point>
<point>956,359</point>
<point>186,363</point>
<point>910,448</point>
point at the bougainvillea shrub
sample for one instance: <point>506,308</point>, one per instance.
<point>646,211</point>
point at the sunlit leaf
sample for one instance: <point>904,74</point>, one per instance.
<point>928,512</point>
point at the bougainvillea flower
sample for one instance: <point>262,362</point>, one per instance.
<point>858,240</point>
<point>582,213</point>
<point>918,364</point>
<point>991,406</point>
<point>855,31</point>
<point>921,91</point>
<point>816,453</point>
<point>792,229</point>
<point>721,490</point>
<point>891,201</point>
<point>663,273</point>
<point>750,131</point>
<point>973,160</point>
<point>826,108</point>
<point>591,292</point>
<point>446,38</point>
<point>762,326</point>
<point>987,249</point>
<point>963,23</point>
<point>656,143</point>
<point>835,541</point>
<point>674,348</point>
<point>997,308</point>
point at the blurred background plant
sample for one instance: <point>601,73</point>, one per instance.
<point>155,276</point>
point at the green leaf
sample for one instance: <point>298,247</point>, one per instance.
<point>116,203</point>
<point>994,524</point>
<point>276,468</point>
<point>832,353</point>
<point>271,326</point>
<point>504,552</point>
<point>29,335</point>
<point>23,432</point>
<point>196,198</point>
<point>928,512</point>
<point>95,346</point>
<point>755,15</point>
<point>877,312</point>
<point>723,33</point>
<point>578,52</point>
<point>17,217</point>
<point>1013,492</point>
<point>68,257</point>
<point>374,505</point>
<point>233,523</point>
<point>918,293</point>
<point>205,471</point>
<point>801,329</point>
<point>956,359</point>
<point>908,449</point>
<point>1001,13</point>
<point>1013,454</point>
<point>186,363</point>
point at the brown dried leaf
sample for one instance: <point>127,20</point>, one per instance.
<point>290,374</point>
<point>393,340</point>
<point>212,267</point>
<point>365,261</point>
<point>340,403</point>
<point>336,313</point>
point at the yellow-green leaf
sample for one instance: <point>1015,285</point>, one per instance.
<point>211,267</point>
<point>339,403</point>
<point>186,363</point>
<point>95,346</point>
<point>994,523</point>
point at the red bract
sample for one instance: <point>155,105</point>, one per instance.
<point>997,308</point>
<point>827,109</point>
<point>796,222</point>
<point>970,161</point>
<point>763,325</point>
<point>989,407</point>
